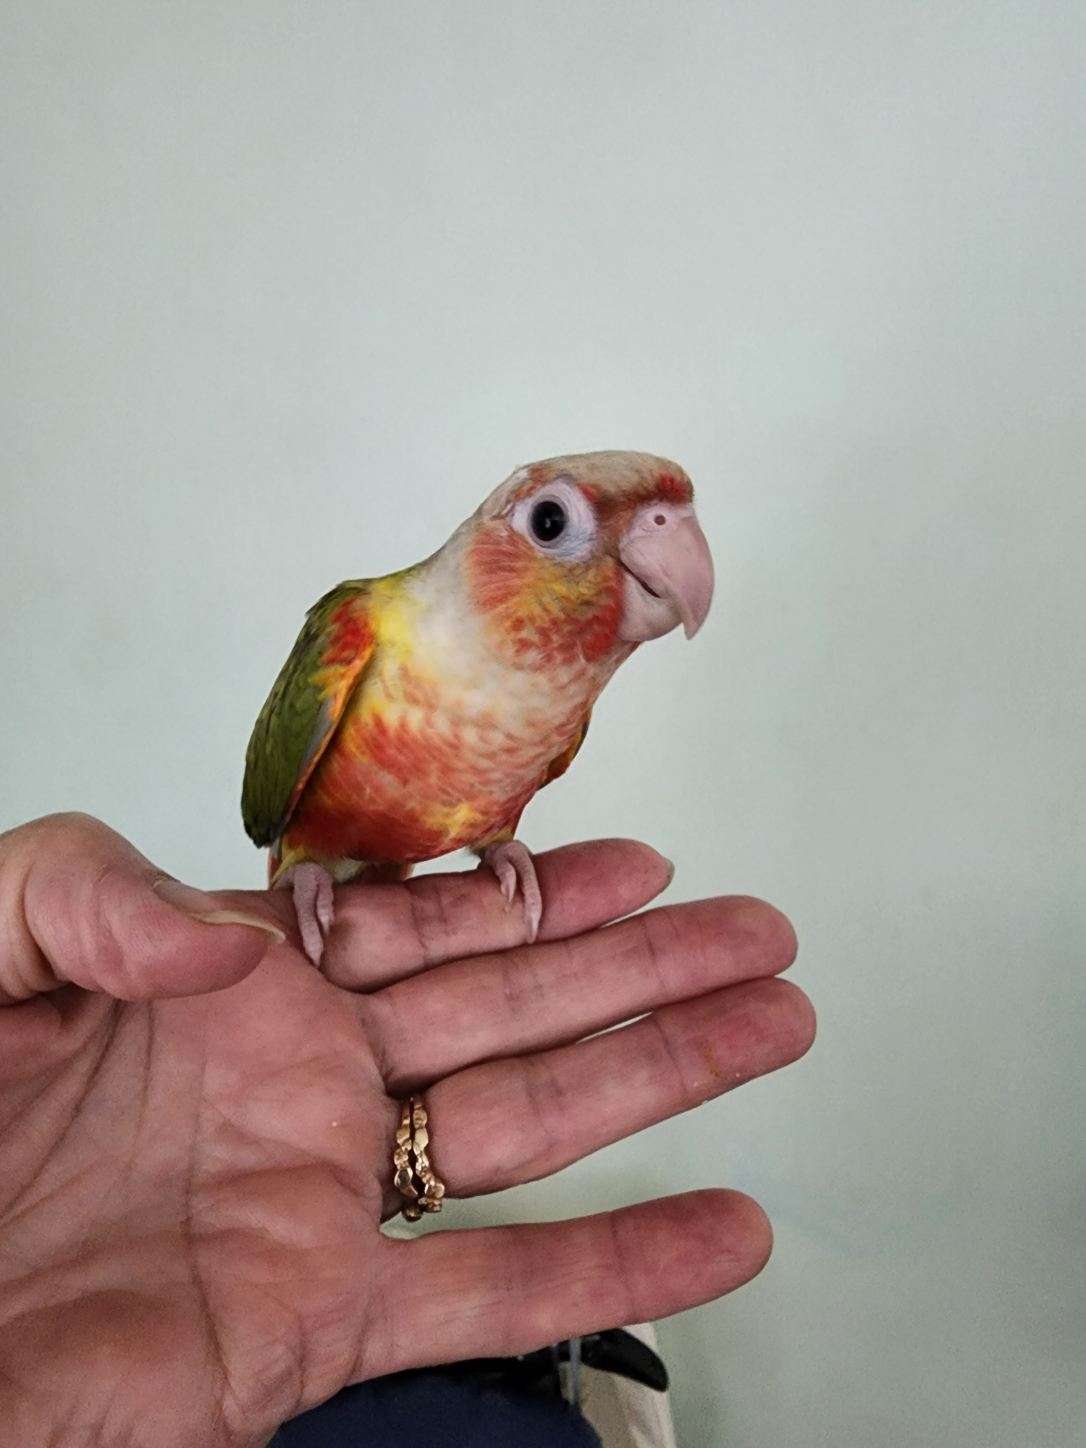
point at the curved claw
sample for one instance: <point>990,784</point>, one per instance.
<point>512,863</point>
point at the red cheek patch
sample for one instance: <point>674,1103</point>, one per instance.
<point>499,565</point>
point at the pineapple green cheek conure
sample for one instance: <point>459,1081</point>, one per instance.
<point>420,712</point>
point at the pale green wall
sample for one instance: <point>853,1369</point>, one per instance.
<point>289,287</point>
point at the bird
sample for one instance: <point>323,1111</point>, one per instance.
<point>419,712</point>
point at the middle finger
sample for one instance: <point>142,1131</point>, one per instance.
<point>428,1026</point>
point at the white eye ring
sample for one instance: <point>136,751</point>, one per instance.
<point>575,540</point>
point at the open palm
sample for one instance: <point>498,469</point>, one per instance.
<point>196,1125</point>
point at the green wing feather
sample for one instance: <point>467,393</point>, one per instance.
<point>304,707</point>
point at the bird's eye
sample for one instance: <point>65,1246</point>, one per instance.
<point>557,521</point>
<point>548,521</point>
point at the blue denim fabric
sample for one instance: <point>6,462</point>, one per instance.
<point>439,1411</point>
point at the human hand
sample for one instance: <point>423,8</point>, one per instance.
<point>196,1126</point>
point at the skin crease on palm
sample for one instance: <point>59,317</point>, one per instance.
<point>196,1125</point>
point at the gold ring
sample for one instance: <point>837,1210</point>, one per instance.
<point>413,1176</point>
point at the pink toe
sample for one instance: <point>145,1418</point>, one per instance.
<point>312,938</point>
<point>512,863</point>
<point>533,907</point>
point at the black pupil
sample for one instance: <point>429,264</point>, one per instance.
<point>548,520</point>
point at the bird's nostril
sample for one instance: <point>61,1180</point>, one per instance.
<point>659,520</point>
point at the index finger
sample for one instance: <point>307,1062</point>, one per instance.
<point>383,932</point>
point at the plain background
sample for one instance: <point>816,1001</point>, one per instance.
<point>289,288</point>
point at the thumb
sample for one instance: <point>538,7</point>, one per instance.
<point>80,905</point>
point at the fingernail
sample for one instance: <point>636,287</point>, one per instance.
<point>670,869</point>
<point>209,911</point>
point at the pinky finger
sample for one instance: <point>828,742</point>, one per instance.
<point>508,1290</point>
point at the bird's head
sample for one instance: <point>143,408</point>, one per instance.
<point>590,553</point>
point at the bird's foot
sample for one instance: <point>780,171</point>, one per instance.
<point>513,864</point>
<point>314,906</point>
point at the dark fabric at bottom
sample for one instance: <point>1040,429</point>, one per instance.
<point>440,1411</point>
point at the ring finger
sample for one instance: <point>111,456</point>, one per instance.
<point>502,1123</point>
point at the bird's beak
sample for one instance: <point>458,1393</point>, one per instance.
<point>670,573</point>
